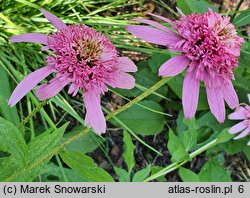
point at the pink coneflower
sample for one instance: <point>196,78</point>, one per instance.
<point>79,56</point>
<point>209,47</point>
<point>241,113</point>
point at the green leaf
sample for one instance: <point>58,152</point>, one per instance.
<point>176,148</point>
<point>188,137</point>
<point>243,18</point>
<point>85,166</point>
<point>188,175</point>
<point>85,144</point>
<point>141,120</point>
<point>129,148</point>
<point>53,173</point>
<point>156,169</point>
<point>13,143</point>
<point>224,136</point>
<point>142,174</point>
<point>212,171</point>
<point>157,60</point>
<point>123,175</point>
<point>198,6</point>
<point>39,147</point>
<point>176,85</point>
<point>5,92</point>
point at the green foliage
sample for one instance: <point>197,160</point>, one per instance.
<point>243,18</point>
<point>84,144</point>
<point>188,175</point>
<point>128,153</point>
<point>198,6</point>
<point>141,120</point>
<point>85,166</point>
<point>141,174</point>
<point>24,162</point>
<point>176,148</point>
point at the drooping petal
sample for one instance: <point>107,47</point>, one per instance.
<point>216,103</point>
<point>94,115</point>
<point>126,65</point>
<point>153,35</point>
<point>55,21</point>
<point>239,114</point>
<point>28,83</point>
<point>123,80</point>
<point>30,37</point>
<point>179,10</point>
<point>155,24</point>
<point>190,95</point>
<point>237,128</point>
<point>243,133</point>
<point>73,89</point>
<point>230,95</point>
<point>248,95</point>
<point>174,66</point>
<point>50,89</point>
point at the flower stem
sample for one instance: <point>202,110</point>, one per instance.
<point>32,113</point>
<point>176,165</point>
<point>42,159</point>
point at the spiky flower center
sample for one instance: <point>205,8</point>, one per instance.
<point>83,55</point>
<point>210,40</point>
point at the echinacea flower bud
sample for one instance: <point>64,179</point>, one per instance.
<point>79,56</point>
<point>209,47</point>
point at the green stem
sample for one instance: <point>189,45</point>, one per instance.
<point>176,165</point>
<point>85,131</point>
<point>32,113</point>
<point>236,10</point>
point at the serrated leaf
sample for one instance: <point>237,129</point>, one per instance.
<point>176,148</point>
<point>39,147</point>
<point>12,142</point>
<point>85,166</point>
<point>123,175</point>
<point>141,120</point>
<point>142,174</point>
<point>188,175</point>
<point>128,153</point>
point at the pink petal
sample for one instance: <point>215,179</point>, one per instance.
<point>216,103</point>
<point>161,17</point>
<point>126,65</point>
<point>56,22</point>
<point>153,35</point>
<point>190,95</point>
<point>174,66</point>
<point>30,37</point>
<point>248,95</point>
<point>94,115</point>
<point>179,10</point>
<point>230,95</point>
<point>239,114</point>
<point>28,83</point>
<point>243,134</point>
<point>123,80</point>
<point>51,89</point>
<point>73,89</point>
<point>155,24</point>
<point>237,128</point>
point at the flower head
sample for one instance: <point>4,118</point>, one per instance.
<point>241,113</point>
<point>209,47</point>
<point>79,56</point>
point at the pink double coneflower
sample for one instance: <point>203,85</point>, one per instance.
<point>241,113</point>
<point>81,57</point>
<point>209,48</point>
